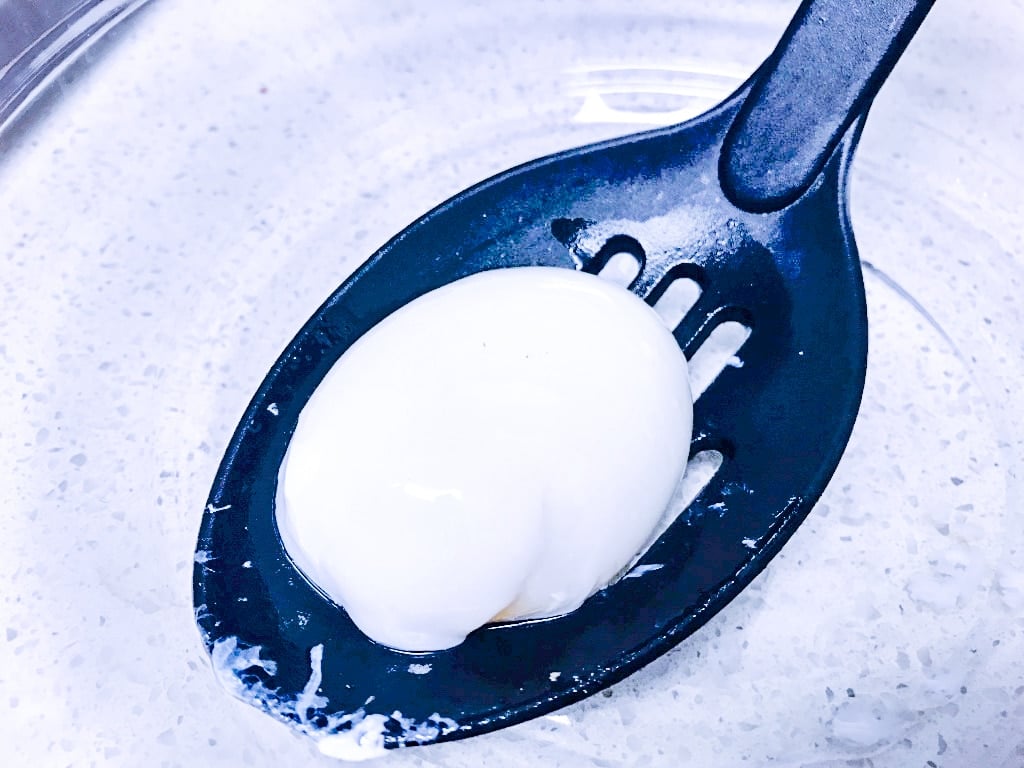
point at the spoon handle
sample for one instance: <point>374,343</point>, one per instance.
<point>824,73</point>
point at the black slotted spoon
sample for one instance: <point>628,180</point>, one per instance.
<point>749,200</point>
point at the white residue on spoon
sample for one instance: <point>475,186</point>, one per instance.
<point>357,735</point>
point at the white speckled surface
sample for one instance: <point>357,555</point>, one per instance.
<point>168,221</point>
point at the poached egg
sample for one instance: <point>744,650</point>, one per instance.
<point>500,448</point>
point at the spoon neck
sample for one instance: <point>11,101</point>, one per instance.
<point>822,76</point>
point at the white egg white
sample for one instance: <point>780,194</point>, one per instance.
<point>500,448</point>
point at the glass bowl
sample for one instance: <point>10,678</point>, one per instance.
<point>175,204</point>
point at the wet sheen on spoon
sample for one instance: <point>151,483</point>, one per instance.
<point>738,226</point>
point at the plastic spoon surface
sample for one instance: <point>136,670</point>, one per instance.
<point>747,201</point>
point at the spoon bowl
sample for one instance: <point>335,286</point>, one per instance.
<point>781,264</point>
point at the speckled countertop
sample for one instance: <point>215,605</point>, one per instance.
<point>171,213</point>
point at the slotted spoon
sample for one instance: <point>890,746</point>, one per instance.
<point>748,200</point>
